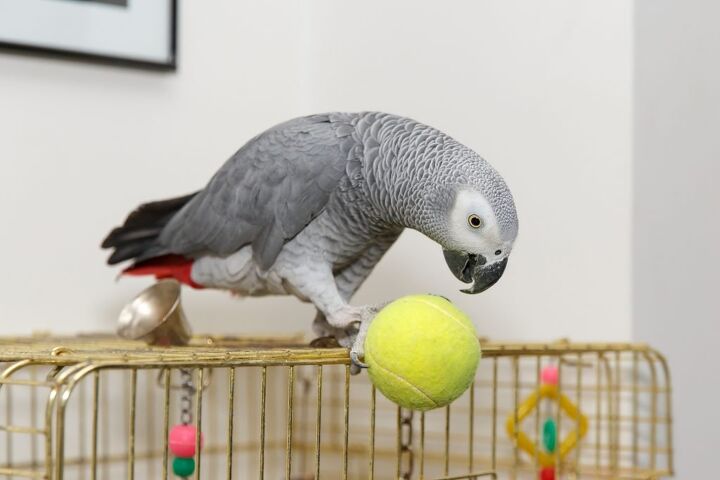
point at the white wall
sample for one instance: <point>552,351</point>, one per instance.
<point>676,196</point>
<point>542,90</point>
<point>81,145</point>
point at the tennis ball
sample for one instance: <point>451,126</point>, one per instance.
<point>422,352</point>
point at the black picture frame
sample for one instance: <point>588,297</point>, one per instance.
<point>59,53</point>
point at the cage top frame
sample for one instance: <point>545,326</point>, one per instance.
<point>228,351</point>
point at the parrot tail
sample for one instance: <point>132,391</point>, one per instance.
<point>165,266</point>
<point>137,238</point>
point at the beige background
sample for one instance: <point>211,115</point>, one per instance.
<point>676,201</point>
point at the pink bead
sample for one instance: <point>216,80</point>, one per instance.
<point>549,375</point>
<point>547,473</point>
<point>182,440</point>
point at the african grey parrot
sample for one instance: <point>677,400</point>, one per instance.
<point>310,206</point>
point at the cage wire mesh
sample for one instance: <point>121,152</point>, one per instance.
<point>100,408</point>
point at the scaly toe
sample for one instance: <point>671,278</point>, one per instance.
<point>355,359</point>
<point>325,342</point>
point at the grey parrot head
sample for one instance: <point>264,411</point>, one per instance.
<point>479,226</point>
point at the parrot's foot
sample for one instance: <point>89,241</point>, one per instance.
<point>357,338</point>
<point>323,329</point>
<point>357,350</point>
<point>325,342</point>
<point>356,365</point>
<point>350,326</point>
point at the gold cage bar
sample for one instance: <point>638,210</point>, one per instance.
<point>96,407</point>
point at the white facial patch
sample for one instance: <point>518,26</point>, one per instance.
<point>483,240</point>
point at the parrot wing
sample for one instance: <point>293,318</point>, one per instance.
<point>265,194</point>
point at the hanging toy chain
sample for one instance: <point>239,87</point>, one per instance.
<point>182,436</point>
<point>188,391</point>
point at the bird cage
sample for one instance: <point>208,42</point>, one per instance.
<point>96,407</point>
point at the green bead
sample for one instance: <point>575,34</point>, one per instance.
<point>183,467</point>
<point>549,435</point>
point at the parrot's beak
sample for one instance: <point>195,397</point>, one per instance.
<point>468,267</point>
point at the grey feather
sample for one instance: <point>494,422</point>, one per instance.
<point>137,237</point>
<point>265,194</point>
<point>372,173</point>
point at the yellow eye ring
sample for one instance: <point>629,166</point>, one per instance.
<point>475,221</point>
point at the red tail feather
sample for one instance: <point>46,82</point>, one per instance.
<point>167,266</point>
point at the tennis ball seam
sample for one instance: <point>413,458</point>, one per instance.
<point>401,379</point>
<point>449,314</point>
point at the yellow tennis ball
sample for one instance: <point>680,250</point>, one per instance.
<point>422,352</point>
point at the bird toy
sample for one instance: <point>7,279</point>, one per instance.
<point>551,447</point>
<point>183,437</point>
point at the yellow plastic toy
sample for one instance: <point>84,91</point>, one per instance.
<point>548,389</point>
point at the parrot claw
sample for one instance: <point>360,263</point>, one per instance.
<point>325,342</point>
<point>350,327</point>
<point>357,364</point>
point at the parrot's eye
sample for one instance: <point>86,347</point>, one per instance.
<point>474,221</point>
